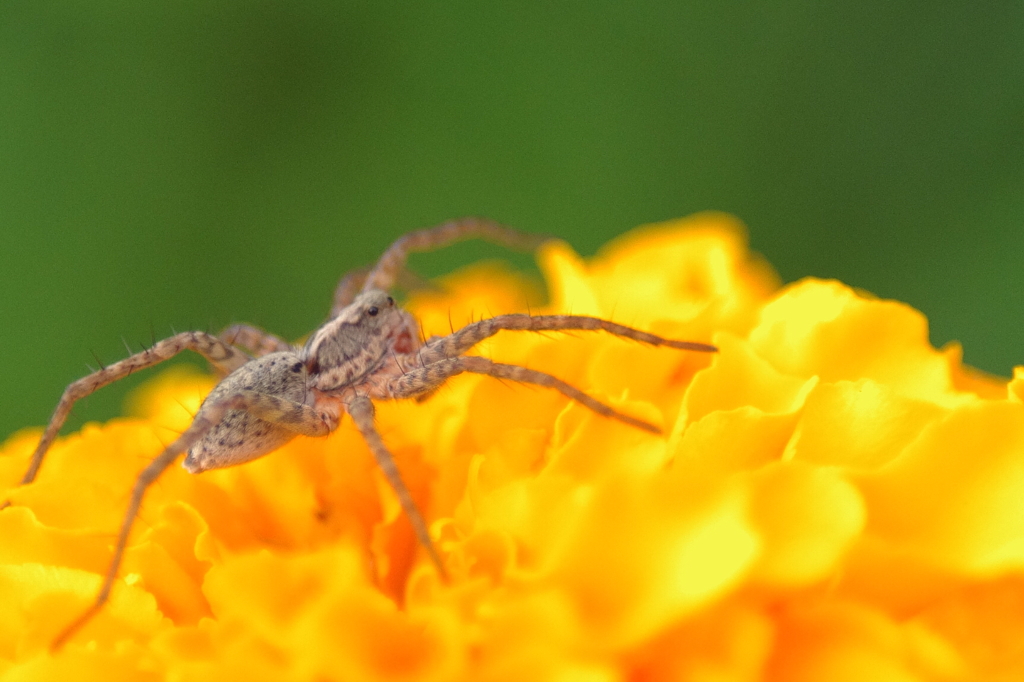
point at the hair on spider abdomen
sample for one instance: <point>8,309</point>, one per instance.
<point>241,436</point>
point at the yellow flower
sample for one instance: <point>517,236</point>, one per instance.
<point>832,499</point>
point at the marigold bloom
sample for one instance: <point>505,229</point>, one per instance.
<point>833,499</point>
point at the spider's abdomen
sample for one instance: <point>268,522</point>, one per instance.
<point>240,436</point>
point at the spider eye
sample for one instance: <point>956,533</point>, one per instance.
<point>372,310</point>
<point>391,301</point>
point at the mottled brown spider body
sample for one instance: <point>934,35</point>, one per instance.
<point>370,349</point>
<point>354,354</point>
<point>362,342</point>
<point>241,436</point>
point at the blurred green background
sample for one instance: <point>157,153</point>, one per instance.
<point>190,163</point>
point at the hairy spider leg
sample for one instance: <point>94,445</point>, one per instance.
<point>255,340</point>
<point>299,418</point>
<point>430,377</point>
<point>392,262</point>
<point>348,286</point>
<point>459,342</point>
<point>220,353</point>
<point>361,409</point>
<point>352,283</point>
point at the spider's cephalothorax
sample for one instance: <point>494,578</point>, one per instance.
<point>360,343</point>
<point>351,355</point>
<point>370,349</point>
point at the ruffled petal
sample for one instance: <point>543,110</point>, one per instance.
<point>831,499</point>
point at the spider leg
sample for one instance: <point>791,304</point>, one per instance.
<point>219,353</point>
<point>347,288</point>
<point>392,262</point>
<point>426,379</point>
<point>254,339</point>
<point>291,415</point>
<point>352,282</point>
<point>362,411</point>
<point>461,341</point>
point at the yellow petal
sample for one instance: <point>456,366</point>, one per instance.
<point>823,328</point>
<point>834,499</point>
<point>954,494</point>
<point>841,642</point>
<point>859,424</point>
<point>807,519</point>
<point>739,377</point>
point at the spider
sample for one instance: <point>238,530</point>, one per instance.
<point>369,349</point>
